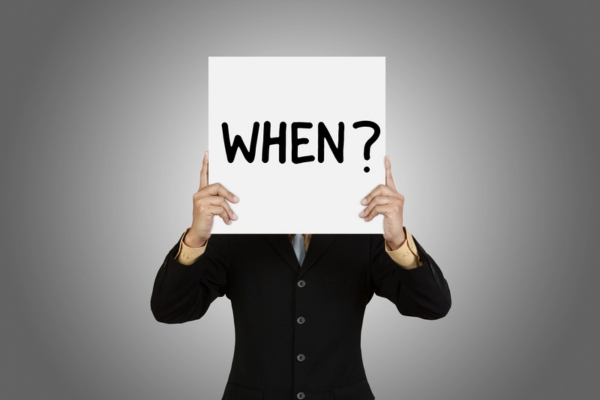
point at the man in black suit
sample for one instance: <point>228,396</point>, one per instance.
<point>297,320</point>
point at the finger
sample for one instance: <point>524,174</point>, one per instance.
<point>216,189</point>
<point>220,201</point>
<point>220,211</point>
<point>204,171</point>
<point>384,210</point>
<point>389,181</point>
<point>380,190</point>
<point>379,200</point>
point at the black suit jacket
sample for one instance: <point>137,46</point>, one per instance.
<point>297,329</point>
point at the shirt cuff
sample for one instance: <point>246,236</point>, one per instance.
<point>188,255</point>
<point>407,255</point>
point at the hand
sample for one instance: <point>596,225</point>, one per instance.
<point>209,200</point>
<point>385,200</point>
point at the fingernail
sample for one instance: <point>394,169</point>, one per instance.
<point>235,199</point>
<point>234,216</point>
<point>363,201</point>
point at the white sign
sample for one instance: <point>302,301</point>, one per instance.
<point>300,141</point>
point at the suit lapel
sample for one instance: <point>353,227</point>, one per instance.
<point>318,245</point>
<point>282,244</point>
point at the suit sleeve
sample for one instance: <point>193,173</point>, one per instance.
<point>183,293</point>
<point>419,292</point>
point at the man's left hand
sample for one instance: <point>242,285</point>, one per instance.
<point>386,200</point>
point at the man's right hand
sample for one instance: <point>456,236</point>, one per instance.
<point>209,200</point>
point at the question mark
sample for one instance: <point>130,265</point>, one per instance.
<point>373,139</point>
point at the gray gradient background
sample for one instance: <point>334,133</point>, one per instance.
<point>493,130</point>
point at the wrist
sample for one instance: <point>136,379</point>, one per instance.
<point>194,241</point>
<point>396,243</point>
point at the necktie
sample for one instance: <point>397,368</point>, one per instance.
<point>298,244</point>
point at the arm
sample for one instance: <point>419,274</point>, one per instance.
<point>401,270</point>
<point>418,292</point>
<point>183,292</point>
<point>194,273</point>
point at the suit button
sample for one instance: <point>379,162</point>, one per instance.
<point>301,320</point>
<point>301,283</point>
<point>300,395</point>
<point>301,357</point>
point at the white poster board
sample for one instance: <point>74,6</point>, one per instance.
<point>302,178</point>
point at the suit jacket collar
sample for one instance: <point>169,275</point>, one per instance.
<point>318,245</point>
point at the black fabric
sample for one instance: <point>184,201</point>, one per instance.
<point>260,275</point>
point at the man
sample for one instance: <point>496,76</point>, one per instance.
<point>298,316</point>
